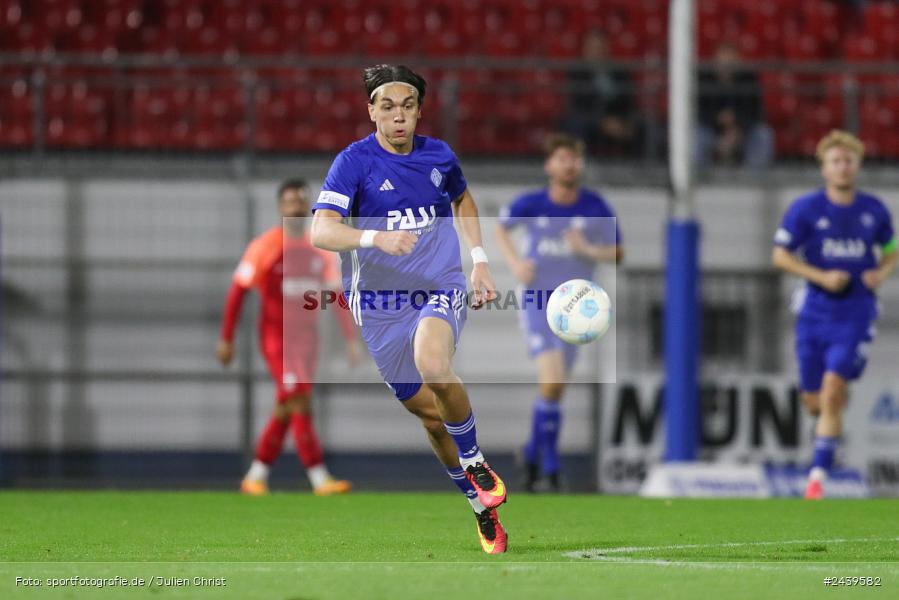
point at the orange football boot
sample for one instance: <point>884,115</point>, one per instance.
<point>253,487</point>
<point>491,533</point>
<point>332,487</point>
<point>490,488</point>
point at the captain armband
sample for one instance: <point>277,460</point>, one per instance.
<point>890,246</point>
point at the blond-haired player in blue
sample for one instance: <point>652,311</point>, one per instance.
<point>841,241</point>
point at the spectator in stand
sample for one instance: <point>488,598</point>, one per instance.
<point>732,129</point>
<point>601,102</point>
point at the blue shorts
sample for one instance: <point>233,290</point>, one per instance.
<point>389,338</point>
<point>540,337</point>
<point>823,345</point>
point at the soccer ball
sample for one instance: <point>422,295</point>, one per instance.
<point>579,311</point>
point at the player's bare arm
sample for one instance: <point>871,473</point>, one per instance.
<point>523,268</point>
<point>224,350</point>
<point>833,280</point>
<point>329,232</point>
<point>465,209</point>
<point>888,261</point>
<point>595,252</point>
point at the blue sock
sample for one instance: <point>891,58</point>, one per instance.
<point>548,416</point>
<point>532,446</point>
<point>466,437</point>
<point>825,447</point>
<point>461,481</point>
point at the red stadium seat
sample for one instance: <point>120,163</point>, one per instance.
<point>12,14</point>
<point>445,43</point>
<point>862,48</point>
<point>386,43</point>
<point>153,40</point>
<point>882,24</point>
<point>504,44</point>
<point>804,47</point>
<point>16,110</point>
<point>210,41</point>
<point>267,42</point>
<point>27,39</point>
<point>60,16</point>
<point>326,42</point>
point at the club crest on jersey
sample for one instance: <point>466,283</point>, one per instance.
<point>436,177</point>
<point>867,220</point>
<point>837,248</point>
<point>407,219</point>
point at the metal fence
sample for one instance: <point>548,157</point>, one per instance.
<point>496,107</point>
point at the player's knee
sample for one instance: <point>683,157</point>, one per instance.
<point>834,394</point>
<point>434,427</point>
<point>297,405</point>
<point>812,403</point>
<point>435,371</point>
<point>552,390</point>
<point>282,411</point>
<point>833,403</point>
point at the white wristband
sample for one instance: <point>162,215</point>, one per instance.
<point>368,238</point>
<point>478,255</point>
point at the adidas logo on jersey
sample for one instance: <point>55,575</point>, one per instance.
<point>823,223</point>
<point>386,186</point>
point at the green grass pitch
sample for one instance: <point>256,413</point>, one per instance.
<point>298,547</point>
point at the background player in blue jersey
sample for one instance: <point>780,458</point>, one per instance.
<point>841,241</point>
<point>569,229</point>
<point>402,267</point>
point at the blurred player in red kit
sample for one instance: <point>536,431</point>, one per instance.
<point>288,272</point>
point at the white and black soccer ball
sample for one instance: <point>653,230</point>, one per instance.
<point>579,311</point>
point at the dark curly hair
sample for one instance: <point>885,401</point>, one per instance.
<point>378,75</point>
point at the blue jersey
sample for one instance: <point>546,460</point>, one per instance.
<point>545,221</point>
<point>831,236</point>
<point>383,191</point>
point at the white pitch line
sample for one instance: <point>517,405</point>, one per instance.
<point>602,554</point>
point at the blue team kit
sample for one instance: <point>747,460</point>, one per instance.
<point>544,222</point>
<point>390,295</point>
<point>834,330</point>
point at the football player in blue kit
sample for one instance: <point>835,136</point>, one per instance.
<point>568,230</point>
<point>387,205</point>
<point>841,241</point>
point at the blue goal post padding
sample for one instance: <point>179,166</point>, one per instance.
<point>681,329</point>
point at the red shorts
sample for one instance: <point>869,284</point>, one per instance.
<point>294,370</point>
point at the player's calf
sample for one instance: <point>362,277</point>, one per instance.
<point>833,399</point>
<point>812,403</point>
